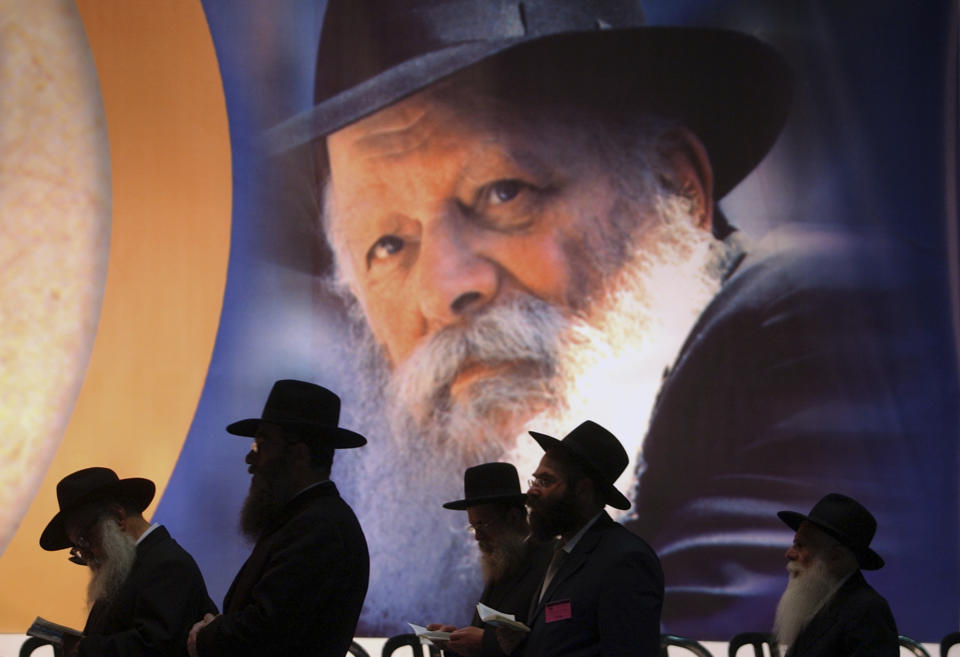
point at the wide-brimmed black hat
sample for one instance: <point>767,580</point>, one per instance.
<point>90,485</point>
<point>600,451</point>
<point>489,483</point>
<point>310,411</point>
<point>731,89</point>
<point>846,520</point>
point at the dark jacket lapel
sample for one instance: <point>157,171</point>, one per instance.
<point>572,562</point>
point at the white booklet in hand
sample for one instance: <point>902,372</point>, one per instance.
<point>424,633</point>
<point>44,629</point>
<point>493,617</point>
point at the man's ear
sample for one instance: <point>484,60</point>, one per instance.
<point>688,173</point>
<point>301,452</point>
<point>119,514</point>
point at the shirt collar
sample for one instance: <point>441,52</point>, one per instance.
<point>572,543</point>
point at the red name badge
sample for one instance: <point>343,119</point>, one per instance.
<point>557,611</point>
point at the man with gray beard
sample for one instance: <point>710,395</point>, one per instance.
<point>145,591</point>
<point>828,609</point>
<point>513,561</point>
<point>520,200</point>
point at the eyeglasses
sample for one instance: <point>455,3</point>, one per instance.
<point>542,481</point>
<point>81,550</point>
<point>481,526</point>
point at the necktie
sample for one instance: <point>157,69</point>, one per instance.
<point>552,568</point>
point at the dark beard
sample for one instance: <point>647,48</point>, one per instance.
<point>269,493</point>
<point>553,518</point>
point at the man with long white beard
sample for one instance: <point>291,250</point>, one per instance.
<point>145,590</point>
<point>828,609</point>
<point>521,204</point>
<point>513,562</point>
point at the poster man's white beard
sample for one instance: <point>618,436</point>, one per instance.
<point>606,367</point>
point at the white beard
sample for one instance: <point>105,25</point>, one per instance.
<point>807,591</point>
<point>608,368</point>
<point>109,573</point>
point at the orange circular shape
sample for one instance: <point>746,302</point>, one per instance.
<point>170,173</point>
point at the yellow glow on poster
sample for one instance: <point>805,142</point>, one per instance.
<point>169,245</point>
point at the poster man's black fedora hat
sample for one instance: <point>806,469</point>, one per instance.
<point>489,483</point>
<point>731,89</point>
<point>599,450</point>
<point>87,486</point>
<point>309,410</point>
<point>846,520</point>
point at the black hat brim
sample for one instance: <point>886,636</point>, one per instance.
<point>141,491</point>
<point>729,88</point>
<point>466,503</point>
<point>611,495</point>
<point>866,557</point>
<point>335,437</point>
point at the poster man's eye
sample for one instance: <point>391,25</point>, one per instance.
<point>383,248</point>
<point>504,191</point>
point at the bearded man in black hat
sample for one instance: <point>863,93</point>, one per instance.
<point>828,609</point>
<point>520,200</point>
<point>603,590</point>
<point>301,590</point>
<point>145,590</point>
<point>513,561</point>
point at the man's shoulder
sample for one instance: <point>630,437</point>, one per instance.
<point>817,258</point>
<point>613,539</point>
<point>318,515</point>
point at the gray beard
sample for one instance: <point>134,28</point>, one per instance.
<point>805,594</point>
<point>505,558</point>
<point>108,573</point>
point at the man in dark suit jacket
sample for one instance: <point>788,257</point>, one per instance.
<point>603,591</point>
<point>828,609</point>
<point>145,589</point>
<point>513,561</point>
<point>301,590</point>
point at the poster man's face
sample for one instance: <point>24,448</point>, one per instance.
<point>444,211</point>
<point>498,250</point>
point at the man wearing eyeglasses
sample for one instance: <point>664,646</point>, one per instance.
<point>602,593</point>
<point>145,590</point>
<point>513,562</point>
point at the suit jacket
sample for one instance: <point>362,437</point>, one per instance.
<point>604,599</point>
<point>855,622</point>
<point>818,367</point>
<point>514,593</point>
<point>301,590</point>
<point>161,599</point>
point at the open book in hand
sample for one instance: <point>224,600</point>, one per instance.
<point>429,635</point>
<point>493,617</point>
<point>44,629</point>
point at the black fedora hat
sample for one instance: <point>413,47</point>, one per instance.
<point>599,450</point>
<point>846,520</point>
<point>489,483</point>
<point>309,410</point>
<point>731,89</point>
<point>90,485</point>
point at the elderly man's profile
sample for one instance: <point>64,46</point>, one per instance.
<point>517,224</point>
